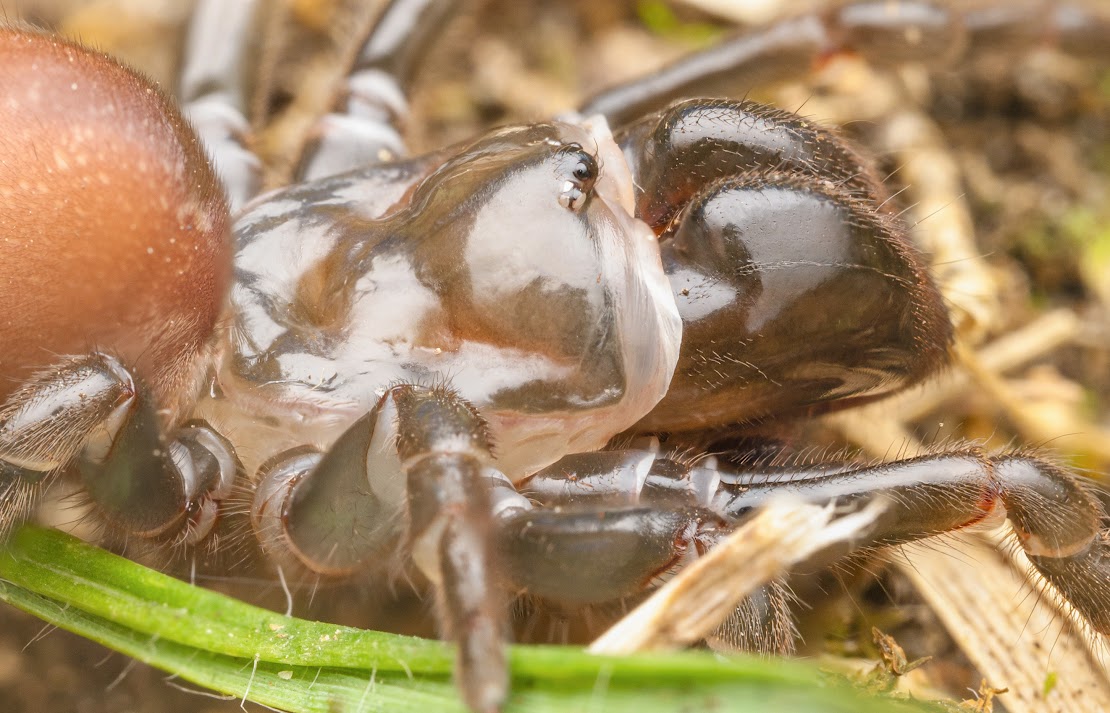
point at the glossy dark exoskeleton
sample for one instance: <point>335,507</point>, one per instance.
<point>770,237</point>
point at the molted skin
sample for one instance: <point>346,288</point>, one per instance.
<point>549,312</point>
<point>101,166</point>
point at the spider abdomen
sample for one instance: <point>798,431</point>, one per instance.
<point>115,228</point>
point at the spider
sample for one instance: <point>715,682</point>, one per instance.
<point>408,351</point>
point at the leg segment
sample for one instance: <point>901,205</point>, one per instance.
<point>418,463</point>
<point>214,95</point>
<point>362,128</point>
<point>625,516</point>
<point>582,556</point>
<point>613,523</point>
<point>608,524</point>
<point>1063,529</point>
<point>877,30</point>
<point>91,411</point>
<point>337,512</point>
<point>1058,523</point>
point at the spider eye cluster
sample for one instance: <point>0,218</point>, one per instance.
<point>585,170</point>
<point>580,182</point>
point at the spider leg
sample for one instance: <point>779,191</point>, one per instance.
<point>93,412</point>
<point>363,126</point>
<point>613,521</point>
<point>880,31</point>
<point>586,548</point>
<point>608,524</point>
<point>578,556</point>
<point>213,93</point>
<point>1058,522</point>
<point>416,469</point>
<point>361,130</point>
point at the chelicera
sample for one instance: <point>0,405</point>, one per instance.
<point>421,359</point>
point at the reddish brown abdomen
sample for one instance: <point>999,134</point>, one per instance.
<point>114,232</point>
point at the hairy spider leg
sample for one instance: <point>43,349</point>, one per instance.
<point>214,93</point>
<point>1057,521</point>
<point>93,410</point>
<point>883,32</point>
<point>364,124</point>
<point>417,469</point>
<point>361,130</point>
<point>610,523</point>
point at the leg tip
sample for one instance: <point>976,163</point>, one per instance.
<point>482,673</point>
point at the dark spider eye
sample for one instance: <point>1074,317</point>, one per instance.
<point>581,181</point>
<point>585,170</point>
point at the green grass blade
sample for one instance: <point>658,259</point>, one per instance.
<point>297,665</point>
